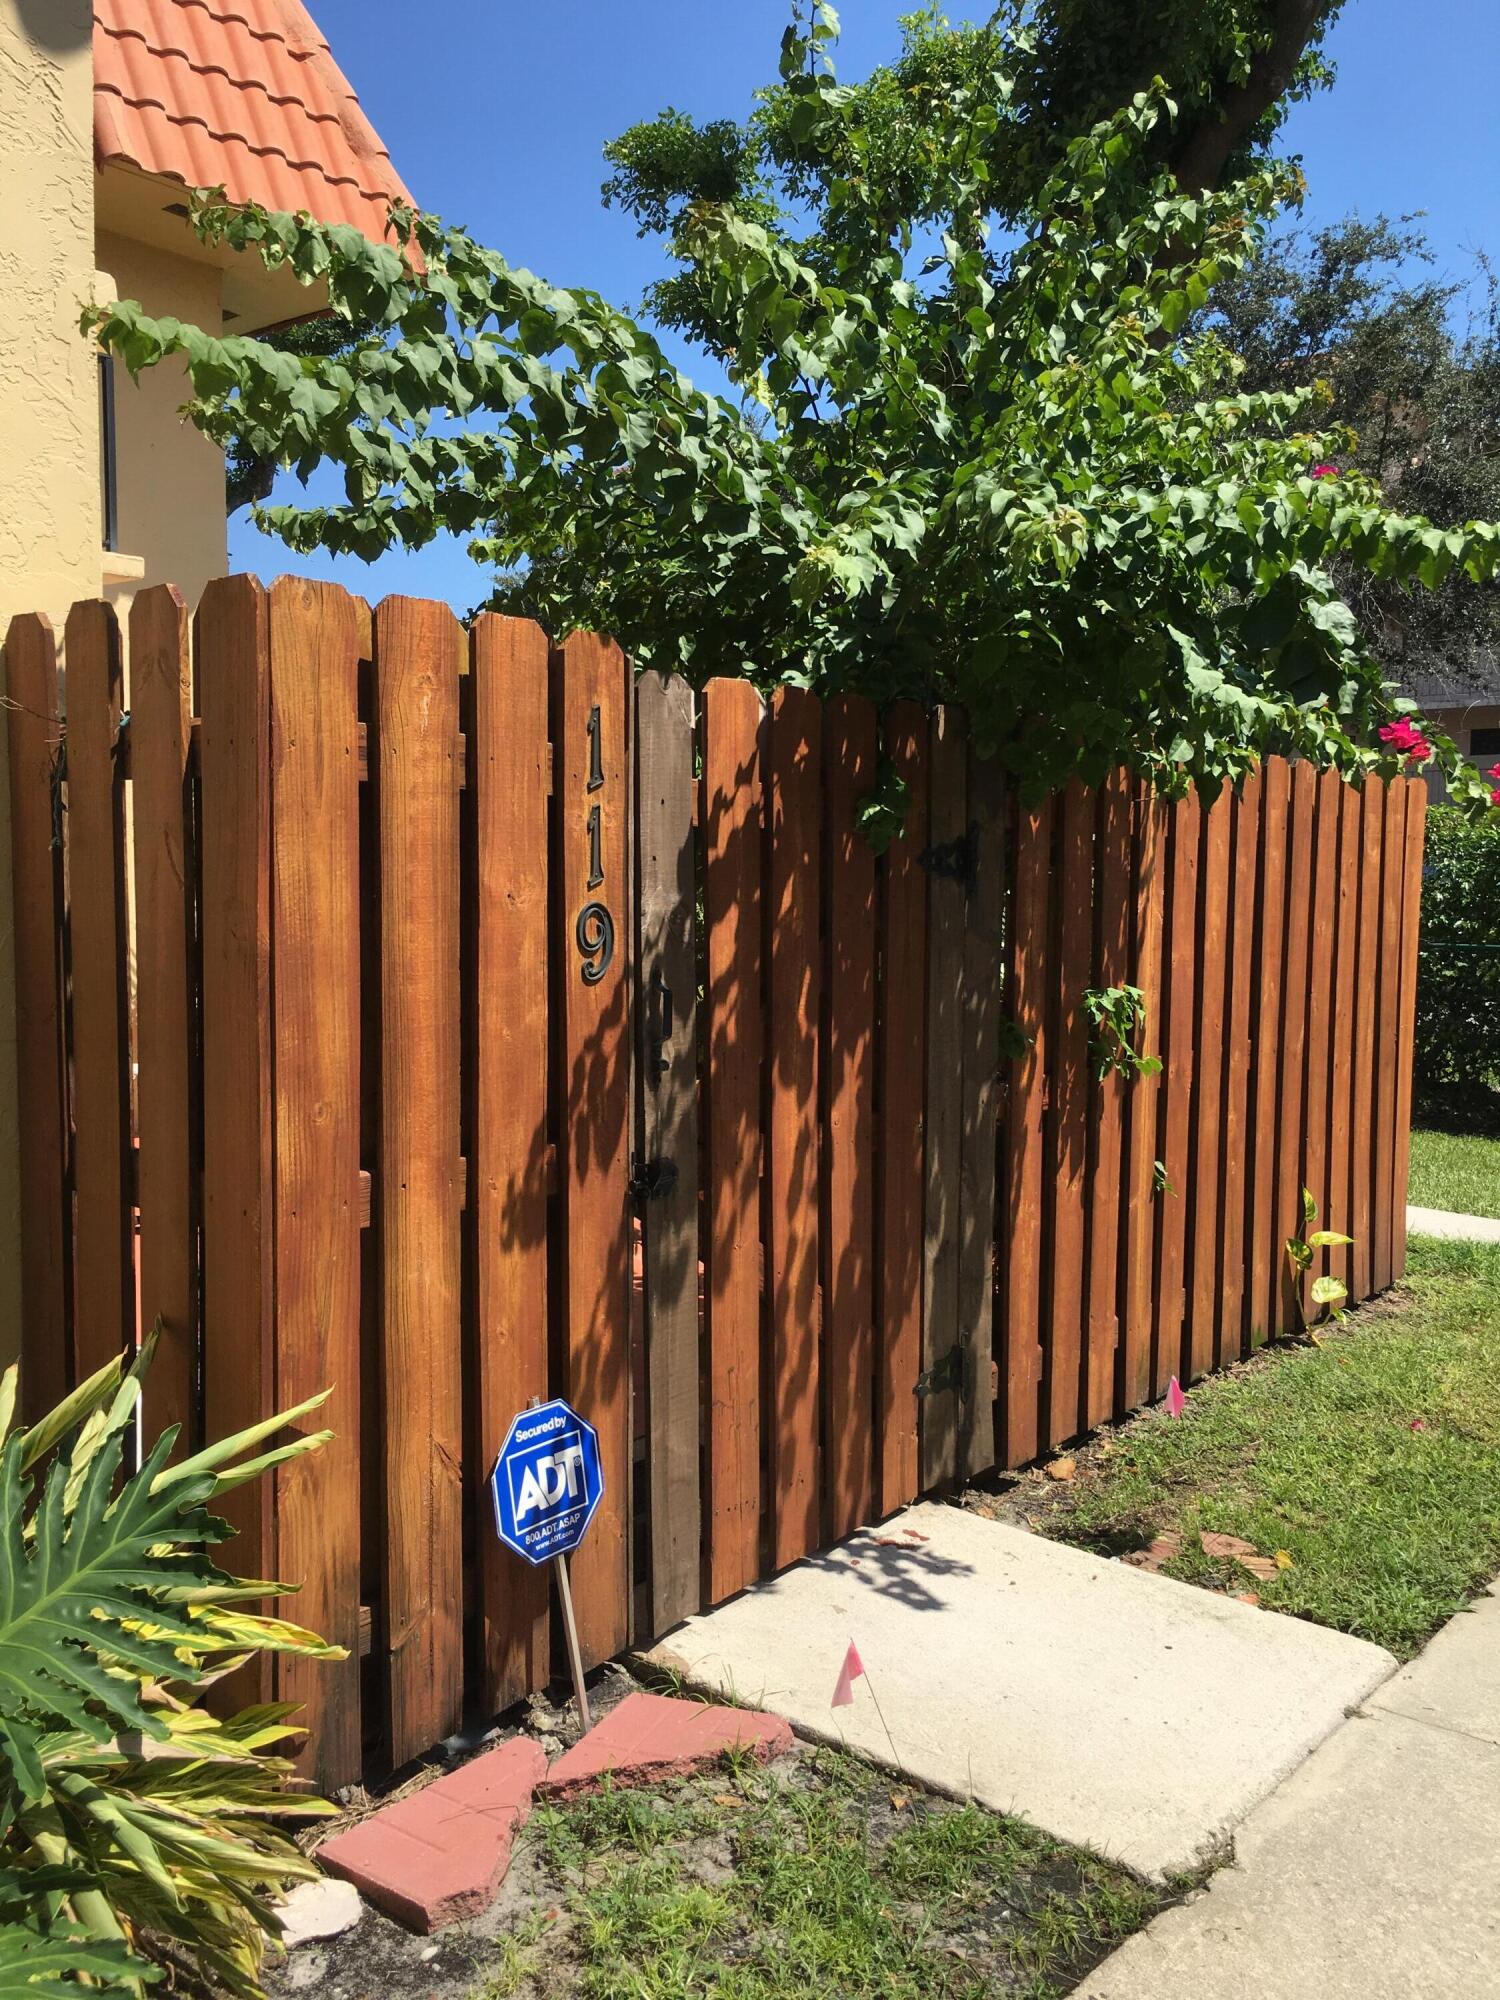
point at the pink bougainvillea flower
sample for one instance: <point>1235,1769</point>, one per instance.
<point>1325,471</point>
<point>1494,772</point>
<point>1495,796</point>
<point>1404,737</point>
<point>1417,1424</point>
<point>1176,1401</point>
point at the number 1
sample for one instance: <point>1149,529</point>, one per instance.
<point>596,754</point>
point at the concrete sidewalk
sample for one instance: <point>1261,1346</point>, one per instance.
<point>1373,1873</point>
<point>1126,1712</point>
<point>1452,1228</point>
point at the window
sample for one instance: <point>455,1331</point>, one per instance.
<point>1484,742</point>
<point>108,511</point>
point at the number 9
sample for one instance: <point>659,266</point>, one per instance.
<point>595,933</point>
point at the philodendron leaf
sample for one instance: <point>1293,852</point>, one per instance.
<point>1327,1291</point>
<point>1325,1239</point>
<point>1299,1252</point>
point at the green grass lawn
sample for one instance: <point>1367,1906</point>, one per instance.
<point>1455,1170</point>
<point>1312,1450</point>
<point>818,1875</point>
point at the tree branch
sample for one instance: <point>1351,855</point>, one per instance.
<point>1208,147</point>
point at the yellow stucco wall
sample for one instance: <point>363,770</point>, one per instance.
<point>49,486</point>
<point>170,478</point>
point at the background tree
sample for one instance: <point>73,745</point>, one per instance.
<point>999,468</point>
<point>1413,363</point>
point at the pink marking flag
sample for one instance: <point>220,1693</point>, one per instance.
<point>852,1670</point>
<point>1176,1401</point>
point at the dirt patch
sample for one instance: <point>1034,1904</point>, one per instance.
<point>818,1870</point>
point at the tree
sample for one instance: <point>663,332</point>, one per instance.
<point>1007,474</point>
<point>1235,67</point>
<point>1359,305</point>
<point>248,479</point>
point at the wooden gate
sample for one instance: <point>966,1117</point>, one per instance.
<point>454,1018</point>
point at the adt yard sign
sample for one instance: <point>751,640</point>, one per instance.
<point>547,1482</point>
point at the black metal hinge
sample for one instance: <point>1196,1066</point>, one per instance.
<point>651,1180</point>
<point>955,860</point>
<point>953,1371</point>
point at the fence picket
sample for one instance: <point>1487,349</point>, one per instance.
<point>848,1235</point>
<point>1392,902</point>
<point>508,763</point>
<point>1323,924</point>
<point>1106,1164</point>
<point>318,636</point>
<point>1265,1243</point>
<point>1148,892</point>
<point>1291,1119</point>
<point>666,1064</point>
<point>794,798</point>
<point>1067,1112</point>
<point>948,826</point>
<point>1411,918</point>
<point>1344,911</point>
<point>34,732</point>
<point>169,1165</point>
<point>1024,1300</point>
<point>732,821</point>
<point>418,648</point>
<point>1366,1047</point>
<point>1207,1155</point>
<point>984,994</point>
<point>232,638</point>
<point>899,1086</point>
<point>1239,1056</point>
<point>1175,1205</point>
<point>104,1236</point>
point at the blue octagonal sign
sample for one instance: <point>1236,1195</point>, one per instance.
<point>547,1482</point>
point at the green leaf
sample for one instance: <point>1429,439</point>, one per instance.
<point>1326,1239</point>
<point>1327,1291</point>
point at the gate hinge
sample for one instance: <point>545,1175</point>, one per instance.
<point>951,1371</point>
<point>651,1180</point>
<point>955,860</point>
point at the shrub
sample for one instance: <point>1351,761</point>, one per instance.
<point>1458,984</point>
<point>139,1831</point>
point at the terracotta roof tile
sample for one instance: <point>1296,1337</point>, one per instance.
<point>243,93</point>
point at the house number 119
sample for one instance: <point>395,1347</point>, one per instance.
<point>595,930</point>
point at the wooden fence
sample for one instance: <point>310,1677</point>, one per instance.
<point>454,1020</point>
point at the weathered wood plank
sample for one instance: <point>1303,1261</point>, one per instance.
<point>418,648</point>
<point>1174,1206</point>
<point>34,733</point>
<point>1265,1247</point>
<point>1207,1170</point>
<point>667,1066</point>
<point>1141,1142</point>
<point>510,765</point>
<point>318,636</point>
<point>983,999</point>
<point>238,1306</point>
<point>592,807</point>
<point>1067,1114</point>
<point>900,1155</point>
<point>948,826</point>
<point>848,1231</point>
<point>1107,1115</point>
<point>104,1239</point>
<point>1321,997</point>
<point>1025,1290</point>
<point>168,1082</point>
<point>794,811</point>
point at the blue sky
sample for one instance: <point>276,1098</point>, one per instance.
<point>495,114</point>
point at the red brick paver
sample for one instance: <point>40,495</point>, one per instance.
<point>651,1736</point>
<point>442,1853</point>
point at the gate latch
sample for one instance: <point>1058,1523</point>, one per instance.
<point>954,860</point>
<point>951,1371</point>
<point>651,1180</point>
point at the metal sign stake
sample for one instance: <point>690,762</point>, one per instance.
<point>575,1658</point>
